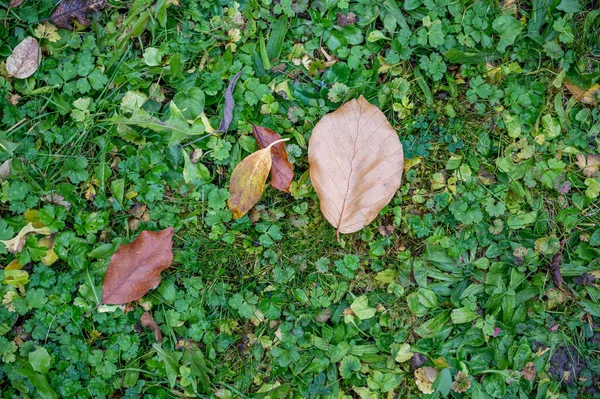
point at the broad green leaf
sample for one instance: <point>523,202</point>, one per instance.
<point>361,308</point>
<point>509,28</point>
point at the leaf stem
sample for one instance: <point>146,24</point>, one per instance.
<point>275,142</point>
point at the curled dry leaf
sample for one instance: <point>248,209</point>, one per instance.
<point>56,199</point>
<point>461,382</point>
<point>229,103</point>
<point>529,371</point>
<point>15,244</point>
<point>248,181</point>
<point>69,10</point>
<point>148,322</point>
<point>356,162</point>
<point>282,171</point>
<point>585,96</point>
<point>135,268</point>
<point>5,168</point>
<point>25,59</point>
<point>424,378</point>
<point>588,164</point>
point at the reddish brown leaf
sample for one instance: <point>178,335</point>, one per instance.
<point>148,322</point>
<point>69,10</point>
<point>15,3</point>
<point>282,171</point>
<point>135,268</point>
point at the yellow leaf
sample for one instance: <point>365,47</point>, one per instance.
<point>424,378</point>
<point>248,181</point>
<point>50,256</point>
<point>14,265</point>
<point>32,216</point>
<point>15,244</point>
<point>16,278</point>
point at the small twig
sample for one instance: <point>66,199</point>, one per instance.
<point>91,310</point>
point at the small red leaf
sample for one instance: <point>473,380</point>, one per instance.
<point>135,268</point>
<point>282,171</point>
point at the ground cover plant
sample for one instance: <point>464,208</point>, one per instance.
<point>121,126</point>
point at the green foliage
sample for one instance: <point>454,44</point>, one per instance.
<point>459,271</point>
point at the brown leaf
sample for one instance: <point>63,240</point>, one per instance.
<point>461,382</point>
<point>347,19</point>
<point>356,163</point>
<point>229,104</point>
<point>585,96</point>
<point>529,371</point>
<point>5,169</point>
<point>248,181</point>
<point>588,164</point>
<point>69,10</point>
<point>148,322</point>
<point>282,171</point>
<point>15,3</point>
<point>25,59</point>
<point>135,268</point>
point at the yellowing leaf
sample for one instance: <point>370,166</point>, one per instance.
<point>424,378</point>
<point>248,180</point>
<point>404,354</point>
<point>15,244</point>
<point>25,59</point>
<point>356,163</point>
<point>50,256</point>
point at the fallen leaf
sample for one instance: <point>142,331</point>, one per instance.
<point>148,322</point>
<point>15,3</point>
<point>50,256</point>
<point>15,244</point>
<point>461,382</point>
<point>424,377</point>
<point>404,354</point>
<point>5,169</point>
<point>135,268</point>
<point>356,162</point>
<point>25,59</point>
<point>248,180</point>
<point>585,96</point>
<point>56,199</point>
<point>229,104</point>
<point>282,171</point>
<point>529,371</point>
<point>69,10</point>
<point>346,19</point>
<point>588,164</point>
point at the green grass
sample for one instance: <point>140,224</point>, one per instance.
<point>270,305</point>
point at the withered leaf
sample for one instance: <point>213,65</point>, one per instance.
<point>229,103</point>
<point>15,3</point>
<point>135,268</point>
<point>148,322</point>
<point>346,19</point>
<point>424,378</point>
<point>555,272</point>
<point>356,162</point>
<point>585,96</point>
<point>529,371</point>
<point>282,171</point>
<point>15,244</point>
<point>69,10</point>
<point>588,164</point>
<point>25,59</point>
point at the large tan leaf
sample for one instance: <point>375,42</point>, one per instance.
<point>25,59</point>
<point>356,162</point>
<point>135,268</point>
<point>248,180</point>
